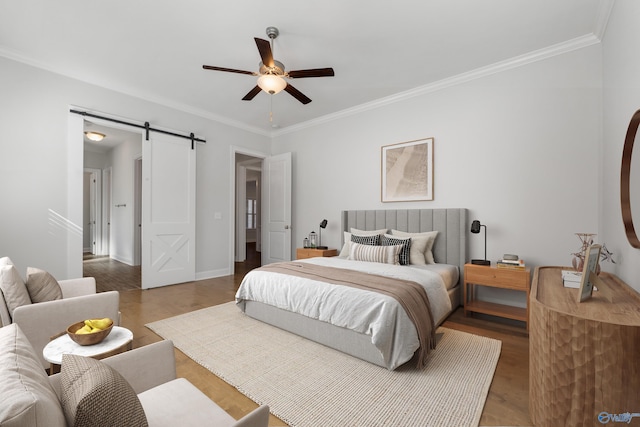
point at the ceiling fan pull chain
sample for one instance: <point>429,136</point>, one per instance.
<point>271,109</point>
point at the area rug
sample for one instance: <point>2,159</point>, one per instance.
<point>308,384</point>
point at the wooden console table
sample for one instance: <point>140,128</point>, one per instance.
<point>584,358</point>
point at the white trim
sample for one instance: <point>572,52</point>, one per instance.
<point>211,274</point>
<point>517,61</point>
<point>96,247</point>
<point>602,19</point>
<point>72,219</point>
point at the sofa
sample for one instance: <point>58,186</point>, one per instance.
<point>135,388</point>
<point>46,312</point>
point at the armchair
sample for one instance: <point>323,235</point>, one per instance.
<point>28,397</point>
<point>42,320</point>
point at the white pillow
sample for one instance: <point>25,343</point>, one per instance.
<point>344,252</point>
<point>368,232</point>
<point>13,288</point>
<point>28,399</point>
<point>421,245</point>
<point>382,254</point>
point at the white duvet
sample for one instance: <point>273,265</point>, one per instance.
<point>367,312</point>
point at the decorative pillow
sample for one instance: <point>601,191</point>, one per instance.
<point>5,260</point>
<point>421,245</point>
<point>369,232</point>
<point>42,286</point>
<point>94,394</point>
<point>382,254</point>
<point>13,288</point>
<point>344,252</point>
<point>389,240</point>
<point>371,240</point>
<point>28,399</point>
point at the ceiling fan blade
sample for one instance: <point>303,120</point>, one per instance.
<point>315,72</point>
<point>252,93</point>
<point>228,70</point>
<point>264,47</point>
<point>297,94</point>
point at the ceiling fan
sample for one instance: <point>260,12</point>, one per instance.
<point>272,74</point>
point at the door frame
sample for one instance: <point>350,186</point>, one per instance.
<point>106,210</point>
<point>95,207</point>
<point>233,150</point>
<point>137,210</point>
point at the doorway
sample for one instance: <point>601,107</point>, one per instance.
<point>248,211</point>
<point>111,165</point>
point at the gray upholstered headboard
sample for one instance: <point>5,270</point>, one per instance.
<point>451,244</point>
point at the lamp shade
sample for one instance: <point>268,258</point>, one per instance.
<point>95,136</point>
<point>271,83</point>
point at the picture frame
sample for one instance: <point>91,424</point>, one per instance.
<point>589,272</point>
<point>407,171</point>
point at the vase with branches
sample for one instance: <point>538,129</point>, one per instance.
<point>586,240</point>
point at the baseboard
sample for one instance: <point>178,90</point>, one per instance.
<point>211,274</point>
<point>127,261</point>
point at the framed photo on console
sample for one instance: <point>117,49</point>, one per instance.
<point>589,272</point>
<point>407,171</point>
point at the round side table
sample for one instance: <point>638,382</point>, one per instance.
<point>120,339</point>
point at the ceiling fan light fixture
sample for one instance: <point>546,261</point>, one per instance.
<point>95,136</point>
<point>271,83</point>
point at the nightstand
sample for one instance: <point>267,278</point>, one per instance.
<point>494,277</point>
<point>302,253</point>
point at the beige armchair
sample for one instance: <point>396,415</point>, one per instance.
<point>42,320</point>
<point>28,397</point>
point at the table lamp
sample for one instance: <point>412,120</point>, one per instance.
<point>475,229</point>
<point>323,224</point>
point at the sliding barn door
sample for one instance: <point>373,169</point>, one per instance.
<point>276,209</point>
<point>168,210</point>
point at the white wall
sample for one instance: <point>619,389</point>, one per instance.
<point>519,149</point>
<point>621,100</point>
<point>37,227</point>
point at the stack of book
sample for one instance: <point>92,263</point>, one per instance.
<point>571,278</point>
<point>514,264</point>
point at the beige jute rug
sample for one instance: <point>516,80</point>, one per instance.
<point>308,384</point>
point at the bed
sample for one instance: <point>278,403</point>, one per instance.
<point>358,328</point>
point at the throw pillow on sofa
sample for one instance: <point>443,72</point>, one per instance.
<point>96,395</point>
<point>13,288</point>
<point>42,286</point>
<point>26,395</point>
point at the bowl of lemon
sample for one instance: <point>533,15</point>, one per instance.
<point>90,331</point>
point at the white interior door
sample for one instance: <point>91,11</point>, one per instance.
<point>276,209</point>
<point>106,211</point>
<point>168,210</point>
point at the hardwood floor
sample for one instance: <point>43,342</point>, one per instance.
<point>507,403</point>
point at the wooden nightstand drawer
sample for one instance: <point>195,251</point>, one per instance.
<point>497,277</point>
<point>302,253</point>
<point>494,277</point>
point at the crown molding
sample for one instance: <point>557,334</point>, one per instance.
<point>602,18</point>
<point>133,92</point>
<point>515,62</point>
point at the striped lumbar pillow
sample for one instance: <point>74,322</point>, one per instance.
<point>383,254</point>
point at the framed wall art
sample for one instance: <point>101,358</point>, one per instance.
<point>407,171</point>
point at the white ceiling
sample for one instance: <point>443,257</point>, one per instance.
<point>380,50</point>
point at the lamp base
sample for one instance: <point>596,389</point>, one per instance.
<point>322,247</point>
<point>480,262</point>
